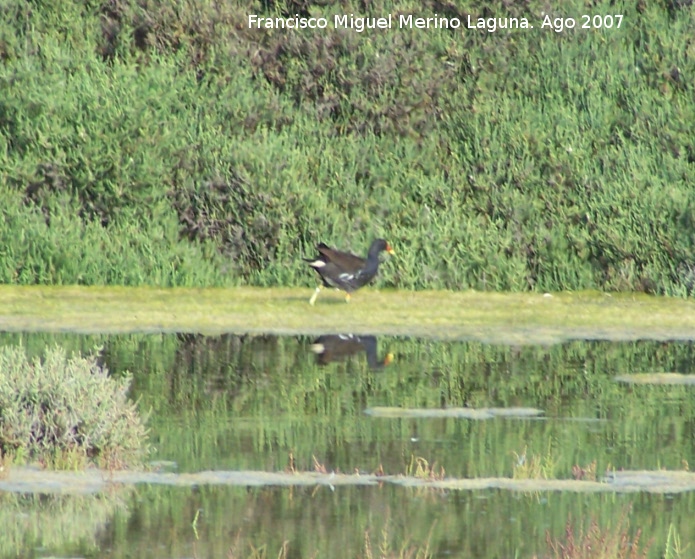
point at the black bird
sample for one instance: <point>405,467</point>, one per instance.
<point>333,348</point>
<point>346,271</point>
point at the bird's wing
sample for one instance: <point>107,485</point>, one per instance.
<point>349,263</point>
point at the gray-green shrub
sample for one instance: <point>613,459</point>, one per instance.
<point>60,404</point>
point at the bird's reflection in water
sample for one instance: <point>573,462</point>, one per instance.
<point>339,347</point>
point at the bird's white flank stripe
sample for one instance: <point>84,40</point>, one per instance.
<point>317,264</point>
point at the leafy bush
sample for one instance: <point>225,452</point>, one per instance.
<point>177,146</point>
<point>60,406</point>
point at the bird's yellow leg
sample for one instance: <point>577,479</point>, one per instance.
<point>316,294</point>
<point>347,297</point>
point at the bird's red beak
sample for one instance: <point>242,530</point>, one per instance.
<point>389,249</point>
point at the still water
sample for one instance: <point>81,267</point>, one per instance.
<point>298,404</point>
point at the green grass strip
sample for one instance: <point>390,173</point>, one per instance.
<point>490,317</point>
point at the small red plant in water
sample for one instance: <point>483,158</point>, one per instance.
<point>597,543</point>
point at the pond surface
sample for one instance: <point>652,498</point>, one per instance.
<point>386,406</point>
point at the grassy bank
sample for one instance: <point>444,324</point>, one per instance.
<point>497,318</point>
<point>174,146</point>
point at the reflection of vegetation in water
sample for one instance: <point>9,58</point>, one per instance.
<point>318,522</point>
<point>381,547</point>
<point>674,546</point>
<point>55,522</point>
<point>596,542</point>
<point>266,393</point>
<point>244,402</point>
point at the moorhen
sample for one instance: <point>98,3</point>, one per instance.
<point>333,348</point>
<point>346,271</point>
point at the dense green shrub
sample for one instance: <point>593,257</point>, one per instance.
<point>187,149</point>
<point>60,406</point>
